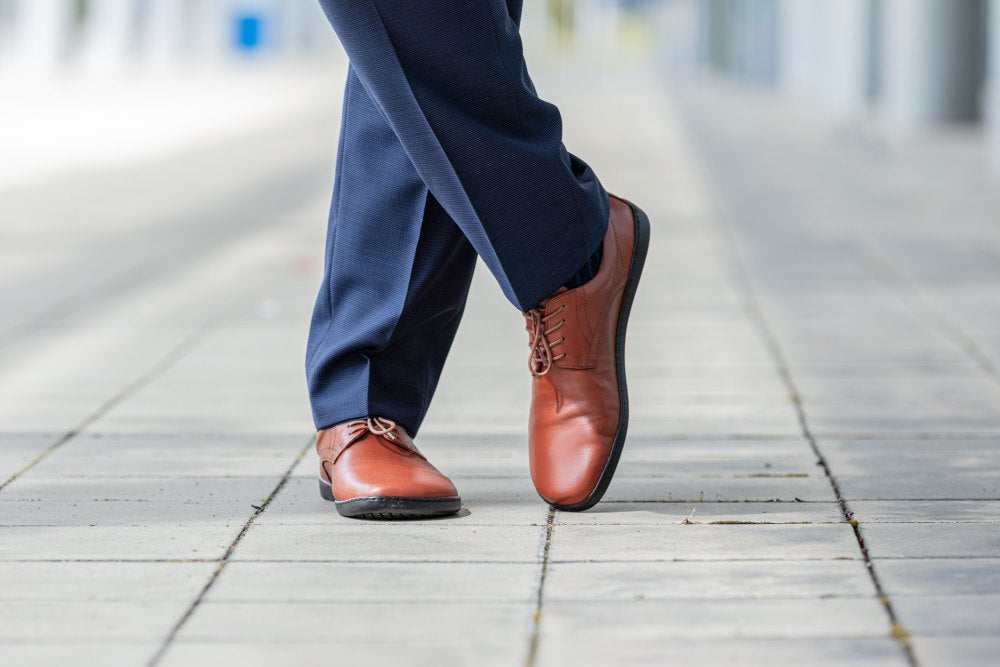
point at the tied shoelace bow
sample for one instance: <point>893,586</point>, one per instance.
<point>374,425</point>
<point>541,358</point>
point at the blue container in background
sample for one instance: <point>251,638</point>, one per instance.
<point>249,31</point>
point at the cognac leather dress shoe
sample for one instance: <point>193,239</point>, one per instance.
<point>371,469</point>
<point>579,400</point>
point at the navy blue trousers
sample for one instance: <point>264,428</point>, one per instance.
<point>446,152</point>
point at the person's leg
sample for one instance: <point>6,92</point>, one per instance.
<point>450,77</point>
<point>450,116</point>
<point>396,278</point>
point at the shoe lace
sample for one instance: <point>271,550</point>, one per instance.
<point>541,358</point>
<point>375,425</point>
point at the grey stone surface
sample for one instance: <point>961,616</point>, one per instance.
<point>968,651</point>
<point>665,620</point>
<point>366,582</point>
<point>418,653</point>
<point>569,582</point>
<point>17,450</point>
<point>102,581</point>
<point>926,487</point>
<point>110,501</point>
<point>160,541</point>
<point>914,457</point>
<point>698,489</point>
<point>940,576</point>
<point>349,623</point>
<point>951,615</point>
<point>931,540</point>
<point>440,540</point>
<point>783,308</point>
<point>702,542</point>
<point>712,652</point>
<point>173,456</point>
<point>62,621</point>
<point>891,511</point>
<point>719,513</point>
<point>104,653</point>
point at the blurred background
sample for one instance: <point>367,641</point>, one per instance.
<point>137,136</point>
<point>84,81</point>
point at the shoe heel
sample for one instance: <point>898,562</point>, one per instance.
<point>325,490</point>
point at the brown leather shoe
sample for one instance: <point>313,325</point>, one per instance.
<point>372,470</point>
<point>579,400</point>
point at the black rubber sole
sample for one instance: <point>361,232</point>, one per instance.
<point>639,250</point>
<point>390,507</point>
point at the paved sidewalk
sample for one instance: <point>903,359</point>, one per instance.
<point>812,476</point>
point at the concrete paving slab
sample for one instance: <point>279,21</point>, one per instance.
<point>19,449</point>
<point>651,448</point>
<point>198,455</point>
<point>932,487</point>
<point>568,582</point>
<point>64,621</point>
<point>916,452</point>
<point>919,511</point>
<point>939,576</point>
<point>966,651</point>
<point>776,487</point>
<point>821,652</point>
<point>425,653</point>
<point>106,501</point>
<point>739,512</point>
<point>950,615</point>
<point>931,540</point>
<point>441,540</point>
<point>274,622</point>
<point>880,423</point>
<point>364,583</point>
<point>163,541</point>
<point>751,467</point>
<point>102,581</point>
<point>652,421</point>
<point>104,654</point>
<point>703,542</point>
<point>665,620</point>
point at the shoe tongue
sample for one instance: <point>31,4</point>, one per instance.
<point>559,292</point>
<point>543,304</point>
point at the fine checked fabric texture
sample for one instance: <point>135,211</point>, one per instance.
<point>446,152</point>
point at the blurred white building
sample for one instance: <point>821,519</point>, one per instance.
<point>49,36</point>
<point>108,84</point>
<point>908,63</point>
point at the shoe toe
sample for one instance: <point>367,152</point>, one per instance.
<point>424,483</point>
<point>566,474</point>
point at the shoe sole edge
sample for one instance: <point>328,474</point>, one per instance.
<point>391,507</point>
<point>640,249</point>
